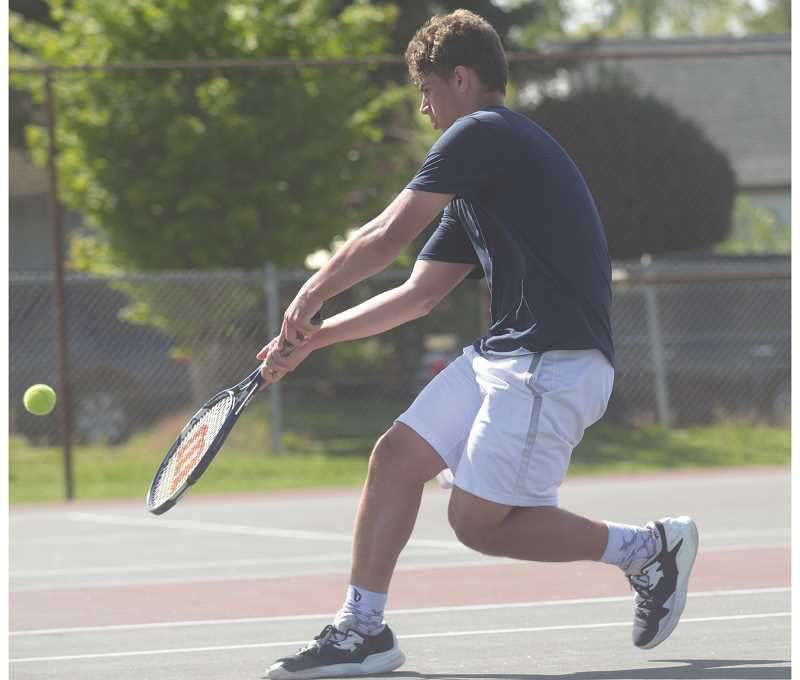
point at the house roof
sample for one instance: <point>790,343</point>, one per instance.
<point>739,95</point>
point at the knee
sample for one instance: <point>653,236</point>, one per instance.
<point>395,457</point>
<point>385,454</point>
<point>473,532</point>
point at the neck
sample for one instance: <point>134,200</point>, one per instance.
<point>490,99</point>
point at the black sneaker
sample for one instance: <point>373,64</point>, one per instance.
<point>661,583</point>
<point>335,654</point>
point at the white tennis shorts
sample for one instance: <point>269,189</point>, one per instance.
<point>506,425</point>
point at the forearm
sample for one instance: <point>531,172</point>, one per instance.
<point>368,252</point>
<point>375,316</point>
<point>375,246</point>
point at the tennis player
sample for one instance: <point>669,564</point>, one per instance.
<point>505,416</point>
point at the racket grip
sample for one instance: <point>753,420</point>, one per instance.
<point>288,347</point>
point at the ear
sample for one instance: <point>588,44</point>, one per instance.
<point>461,77</point>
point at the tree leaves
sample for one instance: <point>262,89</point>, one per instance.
<point>217,168</point>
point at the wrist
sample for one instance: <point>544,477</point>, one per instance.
<point>318,340</point>
<point>310,292</point>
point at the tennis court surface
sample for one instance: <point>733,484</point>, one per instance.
<point>220,587</point>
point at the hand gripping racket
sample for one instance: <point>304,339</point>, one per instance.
<point>202,438</point>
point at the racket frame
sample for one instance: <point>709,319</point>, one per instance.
<point>249,386</point>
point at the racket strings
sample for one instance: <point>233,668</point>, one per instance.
<point>191,450</point>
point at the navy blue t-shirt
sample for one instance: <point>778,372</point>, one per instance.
<point>522,212</point>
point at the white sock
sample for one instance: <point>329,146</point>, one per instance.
<point>627,544</point>
<point>364,609</point>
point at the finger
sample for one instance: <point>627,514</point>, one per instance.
<point>298,333</point>
<point>268,349</point>
<point>265,372</point>
<point>287,340</point>
<point>282,359</point>
<point>308,329</point>
<point>274,350</point>
<point>270,375</point>
<point>278,367</point>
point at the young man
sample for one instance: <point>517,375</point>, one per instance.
<point>505,416</point>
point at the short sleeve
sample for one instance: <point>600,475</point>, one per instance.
<point>450,243</point>
<point>468,157</point>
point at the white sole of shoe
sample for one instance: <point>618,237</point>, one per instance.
<point>375,663</point>
<point>685,562</point>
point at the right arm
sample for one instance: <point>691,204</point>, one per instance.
<point>429,283</point>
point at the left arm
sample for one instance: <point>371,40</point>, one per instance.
<point>429,283</point>
<point>370,250</point>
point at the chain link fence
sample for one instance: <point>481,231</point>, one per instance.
<point>229,163</point>
<point>702,342</point>
<point>694,345</point>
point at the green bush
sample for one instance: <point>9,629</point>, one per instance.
<point>660,185</point>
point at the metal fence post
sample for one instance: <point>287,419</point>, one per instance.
<point>57,214</point>
<point>657,355</point>
<point>272,286</point>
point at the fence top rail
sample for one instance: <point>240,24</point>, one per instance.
<point>189,276</point>
<point>577,54</point>
<point>620,275</point>
<point>634,278</point>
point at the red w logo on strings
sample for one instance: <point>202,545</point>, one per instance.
<point>188,455</point>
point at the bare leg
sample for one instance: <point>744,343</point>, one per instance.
<point>400,464</point>
<point>540,534</point>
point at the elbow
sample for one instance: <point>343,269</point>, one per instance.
<point>388,245</point>
<point>426,303</point>
<point>429,304</point>
<point>417,302</point>
<point>384,241</point>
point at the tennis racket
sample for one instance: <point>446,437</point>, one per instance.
<point>202,438</point>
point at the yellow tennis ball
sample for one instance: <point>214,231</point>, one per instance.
<point>39,399</point>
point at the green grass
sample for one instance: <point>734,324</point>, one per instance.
<point>328,446</point>
<point>37,474</point>
<point>733,444</point>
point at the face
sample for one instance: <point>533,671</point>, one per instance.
<point>442,100</point>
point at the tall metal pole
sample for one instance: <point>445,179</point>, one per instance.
<point>57,215</point>
<point>273,286</point>
<point>657,356</point>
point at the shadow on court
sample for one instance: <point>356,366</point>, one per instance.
<point>695,669</point>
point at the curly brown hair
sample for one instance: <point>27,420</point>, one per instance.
<point>458,39</point>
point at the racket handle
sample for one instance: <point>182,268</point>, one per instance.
<point>288,347</point>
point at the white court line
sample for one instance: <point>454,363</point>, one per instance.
<point>403,565</point>
<point>743,546</point>
<point>212,564</point>
<point>64,540</point>
<point>389,612</point>
<point>105,539</point>
<point>413,636</point>
<point>216,527</point>
<point>255,562</point>
<point>741,533</point>
<point>21,574</point>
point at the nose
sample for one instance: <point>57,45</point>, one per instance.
<point>424,106</point>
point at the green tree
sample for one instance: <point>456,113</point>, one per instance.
<point>662,18</point>
<point>20,103</point>
<point>756,230</point>
<point>519,23</point>
<point>504,16</point>
<point>776,17</point>
<point>213,168</point>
